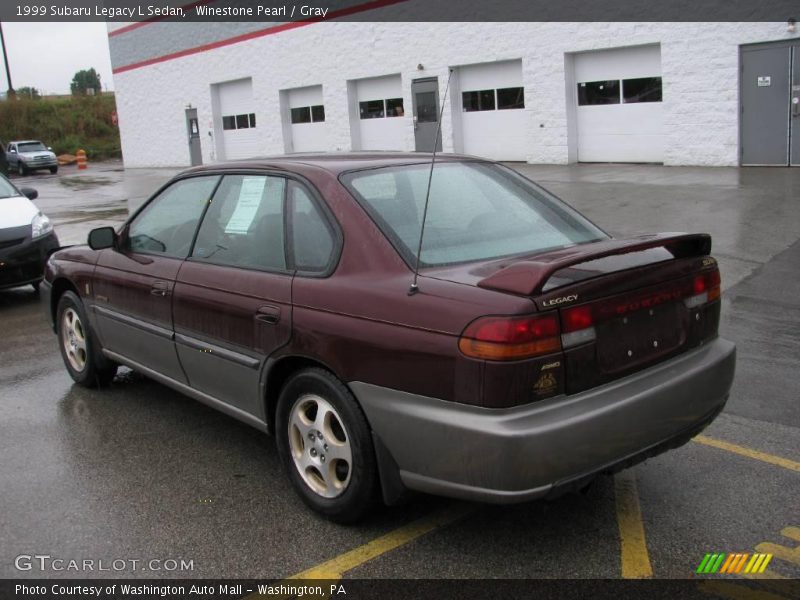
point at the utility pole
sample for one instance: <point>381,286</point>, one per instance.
<point>11,92</point>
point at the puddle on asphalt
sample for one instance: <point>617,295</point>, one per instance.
<point>85,182</point>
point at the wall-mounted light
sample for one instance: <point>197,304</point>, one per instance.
<point>791,25</point>
<point>420,67</point>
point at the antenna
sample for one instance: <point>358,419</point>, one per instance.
<point>414,287</point>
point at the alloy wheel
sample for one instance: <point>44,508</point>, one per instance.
<point>320,446</point>
<point>73,337</point>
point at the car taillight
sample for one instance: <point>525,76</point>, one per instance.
<point>705,288</point>
<point>577,325</point>
<point>511,338</point>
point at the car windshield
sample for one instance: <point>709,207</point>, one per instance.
<point>477,211</point>
<point>6,189</point>
<point>31,147</point>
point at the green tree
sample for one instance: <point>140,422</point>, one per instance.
<point>84,80</point>
<point>28,92</point>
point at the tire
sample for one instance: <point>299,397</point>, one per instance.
<point>21,170</point>
<point>79,347</point>
<point>36,285</point>
<point>54,170</point>
<point>336,474</point>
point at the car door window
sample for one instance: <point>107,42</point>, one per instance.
<point>168,223</point>
<point>312,241</point>
<point>244,224</point>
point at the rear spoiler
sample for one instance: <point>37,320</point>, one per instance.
<point>528,277</point>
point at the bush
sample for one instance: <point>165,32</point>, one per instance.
<point>66,124</point>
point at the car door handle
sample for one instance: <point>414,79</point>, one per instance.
<point>160,288</point>
<point>268,314</point>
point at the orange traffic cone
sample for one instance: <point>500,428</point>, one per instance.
<point>81,156</point>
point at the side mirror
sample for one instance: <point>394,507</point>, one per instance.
<point>13,151</point>
<point>50,148</point>
<point>29,193</point>
<point>102,237</point>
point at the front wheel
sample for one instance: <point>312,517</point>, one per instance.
<point>326,446</point>
<point>21,170</point>
<point>79,348</point>
<point>54,170</point>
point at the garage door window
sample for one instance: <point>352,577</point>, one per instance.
<point>510,98</point>
<point>598,92</point>
<point>245,121</point>
<point>317,113</point>
<point>308,114</point>
<point>641,89</point>
<point>379,109</point>
<point>479,100</point>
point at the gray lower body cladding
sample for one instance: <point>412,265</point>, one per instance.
<point>532,451</point>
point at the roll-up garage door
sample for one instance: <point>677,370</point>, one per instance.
<point>380,110</point>
<point>493,110</point>
<point>619,106</point>
<point>238,119</point>
<point>307,118</point>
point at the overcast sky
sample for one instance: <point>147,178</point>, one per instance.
<point>47,55</point>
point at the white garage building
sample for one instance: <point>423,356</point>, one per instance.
<point>558,93</point>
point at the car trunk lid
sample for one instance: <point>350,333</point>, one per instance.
<point>623,304</point>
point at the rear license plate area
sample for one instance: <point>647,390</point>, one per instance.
<point>641,337</point>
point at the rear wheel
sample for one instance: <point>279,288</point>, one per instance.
<point>326,446</point>
<point>79,348</point>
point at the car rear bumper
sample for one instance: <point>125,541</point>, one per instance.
<point>537,450</point>
<point>24,262</point>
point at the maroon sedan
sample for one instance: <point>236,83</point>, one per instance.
<point>534,352</point>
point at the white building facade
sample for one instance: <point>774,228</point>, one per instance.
<point>554,93</point>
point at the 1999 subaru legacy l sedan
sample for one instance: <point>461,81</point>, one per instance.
<point>534,352</point>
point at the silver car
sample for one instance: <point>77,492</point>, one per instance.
<point>30,155</point>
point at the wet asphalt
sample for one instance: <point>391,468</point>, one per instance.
<point>139,472</point>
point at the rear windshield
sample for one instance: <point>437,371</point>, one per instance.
<point>31,147</point>
<point>477,211</point>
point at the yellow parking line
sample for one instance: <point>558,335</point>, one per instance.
<point>335,568</point>
<point>749,453</point>
<point>633,546</point>
<point>791,532</point>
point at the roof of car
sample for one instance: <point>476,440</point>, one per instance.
<point>25,142</point>
<point>336,162</point>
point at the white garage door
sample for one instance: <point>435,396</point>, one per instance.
<point>380,112</point>
<point>237,115</point>
<point>620,114</point>
<point>307,118</point>
<point>493,110</point>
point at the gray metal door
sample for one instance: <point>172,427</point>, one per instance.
<point>193,131</point>
<point>425,103</point>
<point>794,132</point>
<point>765,105</point>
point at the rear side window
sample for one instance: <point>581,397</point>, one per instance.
<point>477,211</point>
<point>167,225</point>
<point>312,242</point>
<point>244,224</point>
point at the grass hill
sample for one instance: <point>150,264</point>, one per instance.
<point>66,123</point>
